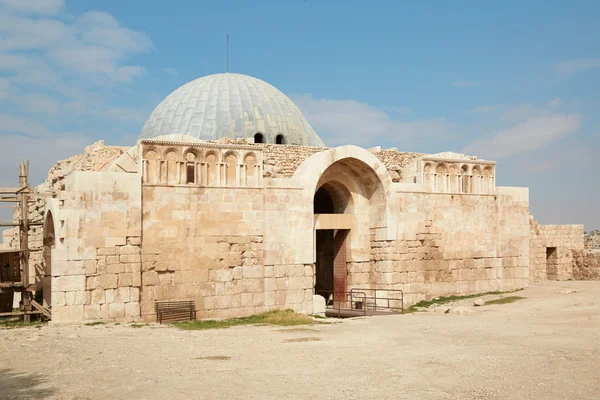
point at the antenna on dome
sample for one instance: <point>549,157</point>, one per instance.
<point>227,70</point>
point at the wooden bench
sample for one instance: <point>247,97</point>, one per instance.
<point>171,311</point>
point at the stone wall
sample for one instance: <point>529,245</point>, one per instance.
<point>586,265</point>
<point>96,258</point>
<point>397,163</point>
<point>207,244</point>
<point>434,255</point>
<point>550,250</point>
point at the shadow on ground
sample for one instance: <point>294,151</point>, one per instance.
<point>23,385</point>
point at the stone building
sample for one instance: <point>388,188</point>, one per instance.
<point>232,200</point>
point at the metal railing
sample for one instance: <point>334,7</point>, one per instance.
<point>391,300</point>
<point>363,302</point>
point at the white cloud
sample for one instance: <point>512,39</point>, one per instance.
<point>350,122</point>
<point>529,135</point>
<point>57,73</point>
<point>519,112</point>
<point>171,71</point>
<point>20,126</point>
<point>94,43</point>
<point>577,65</point>
<point>554,103</point>
<point>38,103</point>
<point>34,6</point>
<point>102,29</point>
<point>464,83</point>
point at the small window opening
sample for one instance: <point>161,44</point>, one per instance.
<point>190,173</point>
<point>258,138</point>
<point>279,139</point>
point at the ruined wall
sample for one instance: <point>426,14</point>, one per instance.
<point>434,255</point>
<point>550,250</point>
<point>586,265</point>
<point>94,158</point>
<point>96,259</point>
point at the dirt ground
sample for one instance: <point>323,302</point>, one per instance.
<point>544,347</point>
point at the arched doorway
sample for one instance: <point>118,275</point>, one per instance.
<point>330,244</point>
<point>49,243</point>
<point>349,187</point>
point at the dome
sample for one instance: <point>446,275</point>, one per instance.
<point>230,105</point>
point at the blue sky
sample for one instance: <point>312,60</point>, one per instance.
<point>515,82</point>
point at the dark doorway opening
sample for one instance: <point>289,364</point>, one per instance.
<point>551,264</point>
<point>323,204</point>
<point>331,267</point>
<point>259,138</point>
<point>324,263</point>
<point>279,139</point>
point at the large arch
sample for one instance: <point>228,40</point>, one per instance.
<point>356,182</point>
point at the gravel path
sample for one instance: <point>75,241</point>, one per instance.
<point>544,347</point>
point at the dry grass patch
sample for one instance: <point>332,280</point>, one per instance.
<point>275,317</point>
<point>303,339</point>
<point>423,304</point>
<point>504,300</point>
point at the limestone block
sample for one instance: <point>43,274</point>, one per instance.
<point>115,241</point>
<point>122,295</point>
<point>282,284</point>
<point>268,272</point>
<point>125,279</point>
<point>110,296</point>
<point>150,278</point>
<point>236,301</point>
<point>270,284</point>
<point>300,282</point>
<point>117,268</point>
<point>136,274</point>
<point>294,296</point>
<point>251,272</point>
<point>91,283</point>
<point>132,310</point>
<point>107,281</point>
<point>67,314</point>
<point>246,299</point>
<point>134,294</point>
<point>68,283</point>
<point>106,251</point>
<point>253,285</point>
<point>280,271</point>
<point>62,268</point>
<point>238,272</point>
<point>222,302</point>
<point>200,276</point>
<point>258,299</point>
<point>130,258</point>
<point>58,298</point>
<point>116,310</point>
<point>166,278</point>
<point>220,275</point>
<point>95,312</point>
<point>75,298</point>
<point>97,296</point>
<point>134,240</point>
<point>112,259</point>
<point>319,305</point>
